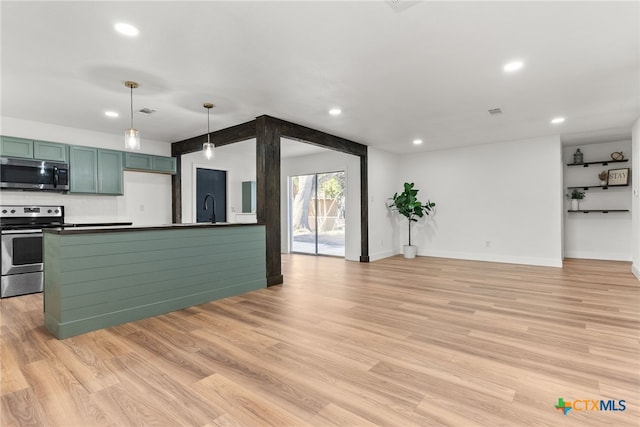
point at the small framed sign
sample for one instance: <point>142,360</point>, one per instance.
<point>618,177</point>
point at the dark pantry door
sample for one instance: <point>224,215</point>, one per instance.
<point>211,181</point>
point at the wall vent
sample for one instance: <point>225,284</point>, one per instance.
<point>146,110</point>
<point>495,111</point>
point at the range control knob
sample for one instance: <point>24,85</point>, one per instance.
<point>49,211</point>
<point>13,211</point>
<point>56,211</point>
<point>4,211</point>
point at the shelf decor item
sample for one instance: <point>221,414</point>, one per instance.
<point>575,197</point>
<point>618,177</point>
<point>408,205</point>
<point>578,157</point>
<point>604,175</point>
<point>617,155</point>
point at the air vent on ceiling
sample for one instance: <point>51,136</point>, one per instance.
<point>146,110</point>
<point>401,5</point>
<point>495,111</point>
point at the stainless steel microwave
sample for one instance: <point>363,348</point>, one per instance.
<point>27,174</point>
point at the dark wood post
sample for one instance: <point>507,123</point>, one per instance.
<point>364,209</point>
<point>268,192</point>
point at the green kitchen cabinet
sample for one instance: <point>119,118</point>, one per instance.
<point>16,147</point>
<point>248,196</point>
<point>46,150</point>
<point>83,170</point>
<point>137,161</point>
<point>164,164</point>
<point>95,170</point>
<point>110,176</point>
<point>11,146</point>
<point>149,163</point>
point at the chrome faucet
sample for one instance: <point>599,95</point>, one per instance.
<point>213,207</point>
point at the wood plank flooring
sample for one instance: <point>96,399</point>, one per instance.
<point>424,342</point>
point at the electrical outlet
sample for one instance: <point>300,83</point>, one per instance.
<point>233,209</point>
<point>141,208</point>
<point>487,244</point>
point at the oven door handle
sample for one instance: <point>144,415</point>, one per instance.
<point>14,232</point>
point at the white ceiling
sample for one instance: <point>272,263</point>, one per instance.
<point>430,70</point>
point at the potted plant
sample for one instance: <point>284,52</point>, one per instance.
<point>408,205</point>
<point>575,197</point>
<point>603,178</point>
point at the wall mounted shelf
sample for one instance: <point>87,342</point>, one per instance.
<point>600,162</point>
<point>598,210</point>
<point>604,187</point>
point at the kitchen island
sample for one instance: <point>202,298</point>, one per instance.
<point>97,277</point>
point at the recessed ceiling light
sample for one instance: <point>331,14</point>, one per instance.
<point>417,141</point>
<point>557,120</point>
<point>111,114</point>
<point>126,29</point>
<point>513,66</point>
<point>335,111</point>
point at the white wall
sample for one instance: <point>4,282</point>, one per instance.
<point>384,180</point>
<point>597,235</point>
<point>328,161</point>
<point>635,205</point>
<point>238,160</point>
<point>498,202</point>
<point>138,204</point>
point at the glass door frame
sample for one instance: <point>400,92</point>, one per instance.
<point>315,197</point>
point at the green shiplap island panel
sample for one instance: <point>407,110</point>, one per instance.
<point>97,280</point>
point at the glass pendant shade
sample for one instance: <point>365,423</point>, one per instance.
<point>132,139</point>
<point>131,135</point>
<point>207,150</point>
<point>208,147</point>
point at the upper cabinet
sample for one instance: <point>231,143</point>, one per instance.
<point>29,149</point>
<point>110,172</point>
<point>149,163</point>
<point>45,150</point>
<point>16,147</point>
<point>94,170</point>
<point>248,197</point>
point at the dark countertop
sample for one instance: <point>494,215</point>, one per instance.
<point>98,224</point>
<point>118,227</point>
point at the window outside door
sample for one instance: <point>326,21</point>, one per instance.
<point>318,213</point>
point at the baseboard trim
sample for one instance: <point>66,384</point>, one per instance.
<point>382,255</point>
<point>606,256</point>
<point>543,262</point>
<point>636,271</point>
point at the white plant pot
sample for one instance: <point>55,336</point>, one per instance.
<point>410,251</point>
<point>575,204</point>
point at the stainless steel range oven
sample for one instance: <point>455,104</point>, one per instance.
<point>21,234</point>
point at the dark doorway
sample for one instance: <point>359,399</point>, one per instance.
<point>214,182</point>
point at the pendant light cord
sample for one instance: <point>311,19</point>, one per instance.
<point>131,87</point>
<point>208,128</point>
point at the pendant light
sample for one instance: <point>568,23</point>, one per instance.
<point>207,147</point>
<point>131,135</point>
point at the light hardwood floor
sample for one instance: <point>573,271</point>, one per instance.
<point>396,342</point>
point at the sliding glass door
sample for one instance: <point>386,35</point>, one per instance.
<point>317,214</point>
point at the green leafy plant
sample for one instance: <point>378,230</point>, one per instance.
<point>575,194</point>
<point>408,205</point>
